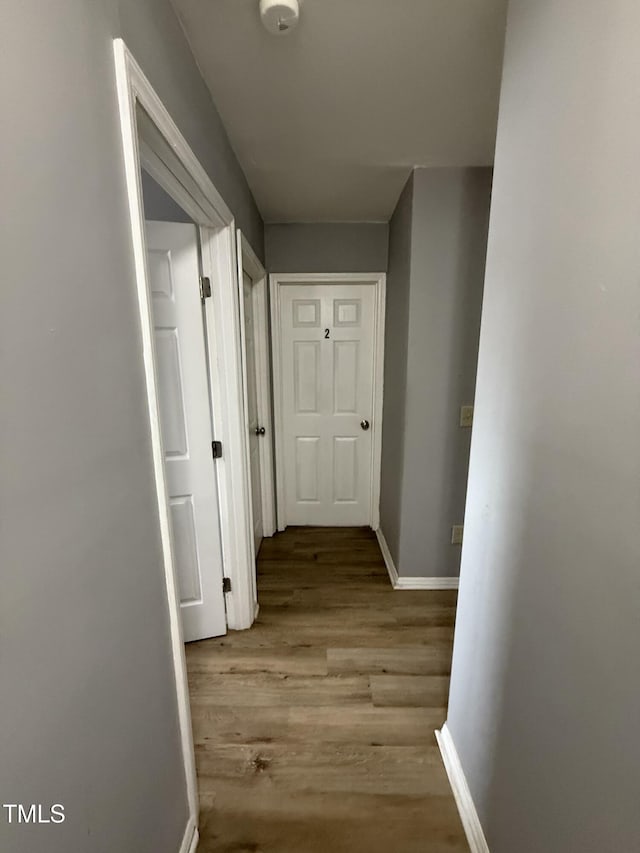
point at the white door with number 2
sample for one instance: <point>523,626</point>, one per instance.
<point>185,421</point>
<point>327,373</point>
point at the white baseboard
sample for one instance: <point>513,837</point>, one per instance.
<point>388,559</point>
<point>406,582</point>
<point>190,839</point>
<point>426,583</point>
<point>461,792</point>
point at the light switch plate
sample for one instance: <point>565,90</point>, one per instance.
<point>456,534</point>
<point>466,416</point>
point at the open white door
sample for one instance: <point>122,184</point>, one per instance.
<point>185,416</point>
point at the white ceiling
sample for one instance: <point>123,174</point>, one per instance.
<point>328,120</point>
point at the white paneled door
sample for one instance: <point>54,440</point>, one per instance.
<point>327,334</point>
<point>185,420</point>
<point>256,430</point>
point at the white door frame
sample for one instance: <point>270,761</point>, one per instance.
<point>169,159</point>
<point>248,262</point>
<point>380,281</point>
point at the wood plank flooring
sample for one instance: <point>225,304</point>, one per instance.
<point>314,730</point>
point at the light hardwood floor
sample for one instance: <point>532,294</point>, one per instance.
<point>314,730</point>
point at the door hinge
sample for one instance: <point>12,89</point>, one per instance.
<point>226,584</point>
<point>216,449</point>
<point>205,287</point>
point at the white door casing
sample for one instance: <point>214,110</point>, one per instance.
<point>185,419</point>
<point>168,157</point>
<point>253,420</point>
<point>328,334</point>
<point>257,386</point>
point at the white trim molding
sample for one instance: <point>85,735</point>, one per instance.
<point>459,786</point>
<point>407,582</point>
<point>133,87</point>
<point>222,313</point>
<point>388,559</point>
<point>249,263</point>
<point>190,838</point>
<point>379,280</point>
<point>157,143</point>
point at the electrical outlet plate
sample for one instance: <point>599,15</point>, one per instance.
<point>466,416</point>
<point>456,534</point>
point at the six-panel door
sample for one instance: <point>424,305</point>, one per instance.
<point>327,364</point>
<point>185,421</point>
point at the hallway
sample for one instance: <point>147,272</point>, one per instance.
<point>314,730</point>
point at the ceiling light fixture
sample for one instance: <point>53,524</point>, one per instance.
<point>279,16</point>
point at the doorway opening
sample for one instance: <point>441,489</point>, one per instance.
<point>254,324</point>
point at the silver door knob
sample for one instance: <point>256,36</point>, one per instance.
<point>364,424</point>
<point>260,430</point>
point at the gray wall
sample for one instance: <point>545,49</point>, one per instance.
<point>434,301</point>
<point>155,37</point>
<point>395,369</point>
<point>158,204</point>
<point>450,222</point>
<point>327,247</point>
<point>89,714</point>
<point>545,695</point>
